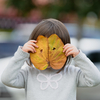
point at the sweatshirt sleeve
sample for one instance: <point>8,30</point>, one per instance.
<point>88,75</point>
<point>13,75</point>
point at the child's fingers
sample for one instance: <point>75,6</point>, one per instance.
<point>65,49</point>
<point>66,45</point>
<point>29,46</point>
<point>31,49</point>
<point>34,41</point>
<point>33,44</point>
<point>69,53</point>
<point>68,50</point>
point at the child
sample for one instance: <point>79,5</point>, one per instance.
<point>50,84</point>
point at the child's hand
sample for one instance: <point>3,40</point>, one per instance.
<point>69,49</point>
<point>30,46</point>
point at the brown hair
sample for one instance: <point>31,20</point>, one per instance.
<point>51,26</point>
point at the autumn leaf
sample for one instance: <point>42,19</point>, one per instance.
<point>49,53</point>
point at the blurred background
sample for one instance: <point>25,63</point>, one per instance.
<point>18,18</point>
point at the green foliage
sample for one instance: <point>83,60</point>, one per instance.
<point>81,7</point>
<point>85,6</point>
<point>23,6</point>
<point>68,5</point>
<point>51,11</point>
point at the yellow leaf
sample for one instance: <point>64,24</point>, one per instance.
<point>49,53</point>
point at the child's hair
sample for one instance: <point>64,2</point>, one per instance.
<point>51,26</point>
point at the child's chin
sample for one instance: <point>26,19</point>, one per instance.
<point>52,68</point>
<point>49,67</point>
